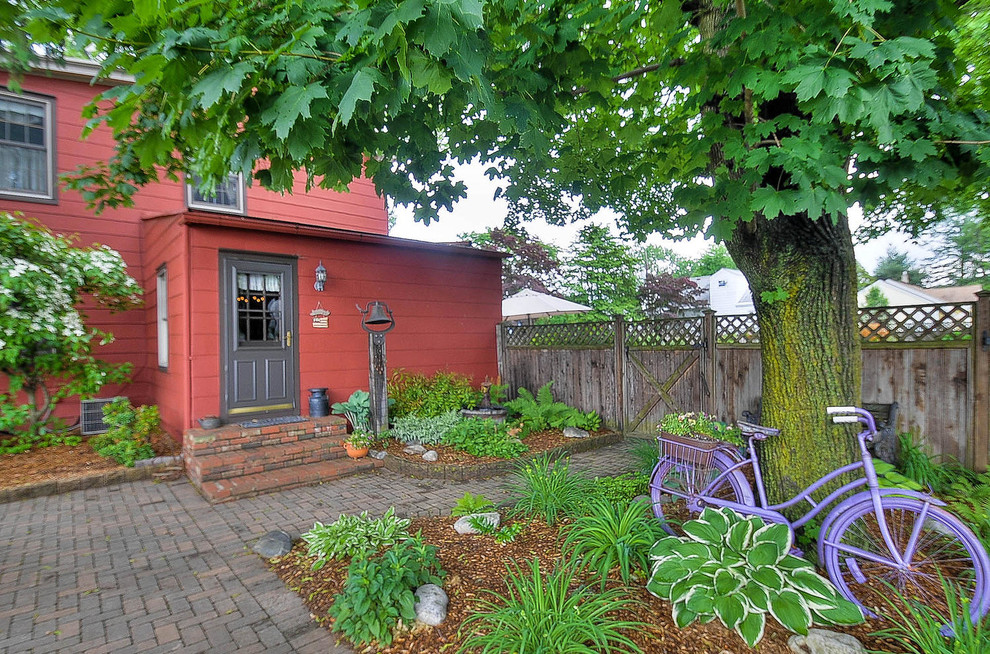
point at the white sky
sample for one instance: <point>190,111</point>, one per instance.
<point>478,211</point>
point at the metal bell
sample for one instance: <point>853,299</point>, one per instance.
<point>377,315</point>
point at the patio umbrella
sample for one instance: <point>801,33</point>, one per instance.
<point>528,304</point>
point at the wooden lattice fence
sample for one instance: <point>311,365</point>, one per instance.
<point>932,360</point>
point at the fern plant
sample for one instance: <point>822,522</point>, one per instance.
<point>471,503</point>
<point>540,412</point>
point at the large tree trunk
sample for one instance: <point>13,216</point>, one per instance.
<point>803,276</point>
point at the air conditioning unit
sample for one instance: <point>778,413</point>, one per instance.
<point>91,415</point>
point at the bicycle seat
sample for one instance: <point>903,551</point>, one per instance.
<point>758,432</point>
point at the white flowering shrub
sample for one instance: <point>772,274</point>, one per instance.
<point>46,349</point>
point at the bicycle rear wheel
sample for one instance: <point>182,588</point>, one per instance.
<point>670,476</point>
<point>858,561</point>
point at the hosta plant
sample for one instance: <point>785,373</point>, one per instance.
<point>354,534</point>
<point>738,569</point>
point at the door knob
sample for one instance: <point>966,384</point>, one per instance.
<point>288,339</point>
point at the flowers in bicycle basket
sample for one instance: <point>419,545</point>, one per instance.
<point>701,426</point>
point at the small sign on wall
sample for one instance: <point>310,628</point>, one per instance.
<point>321,317</point>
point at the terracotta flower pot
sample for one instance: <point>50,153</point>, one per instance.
<point>355,452</point>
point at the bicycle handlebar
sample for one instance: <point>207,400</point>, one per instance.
<point>840,409</point>
<point>840,419</point>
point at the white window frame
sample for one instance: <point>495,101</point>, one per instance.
<point>161,297</point>
<point>48,196</point>
<point>206,205</point>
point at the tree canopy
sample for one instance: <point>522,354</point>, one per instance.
<point>894,263</point>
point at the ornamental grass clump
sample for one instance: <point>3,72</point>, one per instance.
<point>353,535</point>
<point>549,612</point>
<point>549,490</point>
<point>739,569</point>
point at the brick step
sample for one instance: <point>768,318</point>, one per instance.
<point>285,478</point>
<point>237,463</point>
<point>231,438</point>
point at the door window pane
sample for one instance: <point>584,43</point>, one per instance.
<point>259,308</point>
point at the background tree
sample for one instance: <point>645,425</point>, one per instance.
<point>534,264</point>
<point>664,296</point>
<point>894,264</point>
<point>601,273</point>
<point>962,242</point>
<point>876,298</point>
<point>46,350</point>
<point>863,276</point>
<point>757,123</point>
<point>710,262</point>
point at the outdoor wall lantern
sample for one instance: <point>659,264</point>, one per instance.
<point>377,320</point>
<point>321,277</point>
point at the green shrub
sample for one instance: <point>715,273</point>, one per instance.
<point>700,424</point>
<point>917,628</point>
<point>471,503</point>
<point>554,612</point>
<point>428,430</point>
<point>379,591</point>
<point>622,488</point>
<point>548,490</point>
<point>428,396</point>
<point>540,412</point>
<point>357,409</point>
<point>737,570</point>
<point>354,535</point>
<point>609,537</point>
<point>128,438</point>
<point>484,438</point>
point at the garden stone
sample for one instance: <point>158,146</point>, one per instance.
<point>415,448</point>
<point>463,525</point>
<point>377,454</point>
<point>575,432</point>
<point>820,641</point>
<point>431,456</point>
<point>431,604</point>
<point>274,543</point>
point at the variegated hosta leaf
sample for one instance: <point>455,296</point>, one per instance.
<point>669,570</point>
<point>751,628</point>
<point>681,588</point>
<point>791,563</point>
<point>781,535</point>
<point>664,546</point>
<point>730,609</point>
<point>659,588</point>
<point>757,596</point>
<point>702,532</point>
<point>791,610</point>
<point>769,577</point>
<point>765,554</point>
<point>715,518</point>
<point>739,536</point>
<point>726,582</point>
<point>682,615</point>
<point>700,599</point>
<point>845,612</point>
<point>689,548</point>
<point>810,583</point>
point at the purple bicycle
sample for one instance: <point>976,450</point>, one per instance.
<point>892,535</point>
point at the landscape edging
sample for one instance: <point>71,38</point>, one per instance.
<point>94,480</point>
<point>458,472</point>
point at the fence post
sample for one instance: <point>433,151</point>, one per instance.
<point>620,379</point>
<point>500,351</point>
<point>709,369</point>
<point>976,454</point>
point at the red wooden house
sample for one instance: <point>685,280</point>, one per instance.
<point>228,327</point>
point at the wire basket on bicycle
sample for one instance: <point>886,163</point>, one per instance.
<point>688,449</point>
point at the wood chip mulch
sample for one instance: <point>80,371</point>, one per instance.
<point>476,564</point>
<point>539,441</point>
<point>66,462</point>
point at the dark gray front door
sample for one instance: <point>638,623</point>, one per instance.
<point>258,323</point>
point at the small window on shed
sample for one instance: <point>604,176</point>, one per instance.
<point>721,282</point>
<point>161,298</point>
<point>227,197</point>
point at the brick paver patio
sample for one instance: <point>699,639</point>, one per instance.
<point>145,567</point>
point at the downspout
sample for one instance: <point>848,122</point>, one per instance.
<point>188,335</point>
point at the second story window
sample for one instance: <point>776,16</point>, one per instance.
<point>227,197</point>
<point>26,147</point>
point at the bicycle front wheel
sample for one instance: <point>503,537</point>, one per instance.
<point>858,560</point>
<point>671,479</point>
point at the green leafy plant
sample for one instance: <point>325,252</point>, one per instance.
<point>484,438</point>
<point>354,535</point>
<point>430,396</point>
<point>969,498</point>
<point>739,569</point>
<point>47,352</point>
<point>471,503</point>
<point>889,477</point>
<point>548,489</point>
<point>610,537</point>
<point>428,430</point>
<point>917,628</point>
<point>379,591</point>
<point>548,612</point>
<point>357,409</point>
<point>622,488</point>
<point>128,438</point>
<point>502,535</point>
<point>700,425</point>
<point>540,412</point>
<point>359,439</point>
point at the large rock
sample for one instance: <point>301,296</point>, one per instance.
<point>415,448</point>
<point>431,456</point>
<point>820,641</point>
<point>431,604</point>
<point>575,432</point>
<point>274,543</point>
<point>463,525</point>
<point>377,454</point>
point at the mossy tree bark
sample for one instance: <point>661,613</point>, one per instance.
<point>803,276</point>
